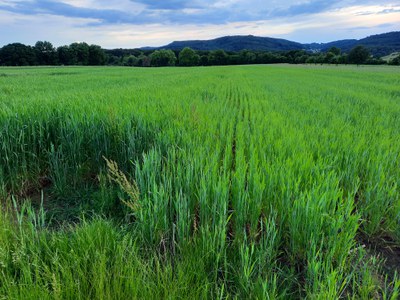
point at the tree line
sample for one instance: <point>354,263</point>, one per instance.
<point>44,53</point>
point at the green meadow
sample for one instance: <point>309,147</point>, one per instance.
<point>237,182</point>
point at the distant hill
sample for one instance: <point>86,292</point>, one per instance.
<point>379,45</point>
<point>237,43</point>
<point>382,44</point>
<point>342,44</point>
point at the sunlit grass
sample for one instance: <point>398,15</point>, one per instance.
<point>249,182</point>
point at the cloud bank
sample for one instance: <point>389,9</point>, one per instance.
<point>135,23</point>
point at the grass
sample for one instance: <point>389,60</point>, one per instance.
<point>264,182</point>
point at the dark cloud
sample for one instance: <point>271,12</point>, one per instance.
<point>388,11</point>
<point>311,7</point>
<point>382,12</point>
<point>175,11</point>
<point>169,4</point>
<point>67,10</point>
<point>165,12</point>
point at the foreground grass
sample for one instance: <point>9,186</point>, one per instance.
<point>95,260</point>
<point>248,182</point>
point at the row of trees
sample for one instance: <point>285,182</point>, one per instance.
<point>188,57</point>
<point>44,53</point>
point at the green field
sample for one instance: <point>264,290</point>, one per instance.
<point>247,182</point>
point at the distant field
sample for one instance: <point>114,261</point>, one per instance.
<point>390,56</point>
<point>242,181</point>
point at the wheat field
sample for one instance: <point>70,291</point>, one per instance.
<point>239,182</point>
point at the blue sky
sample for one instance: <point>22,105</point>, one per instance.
<point>136,23</point>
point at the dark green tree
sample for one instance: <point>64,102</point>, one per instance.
<point>188,57</point>
<point>234,59</point>
<point>143,61</point>
<point>97,56</point>
<point>292,55</point>
<point>204,60</point>
<point>358,55</point>
<point>218,57</point>
<point>301,59</point>
<point>17,54</point>
<point>114,60</point>
<point>375,61</point>
<point>45,52</point>
<point>395,61</point>
<point>130,60</point>
<point>311,60</point>
<point>163,58</point>
<point>335,50</point>
<point>247,57</point>
<point>343,59</point>
<point>65,55</point>
<point>268,58</point>
<point>80,53</point>
<point>329,57</point>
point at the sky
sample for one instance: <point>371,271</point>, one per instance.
<point>138,23</point>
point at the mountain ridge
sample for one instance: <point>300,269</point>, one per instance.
<point>378,44</point>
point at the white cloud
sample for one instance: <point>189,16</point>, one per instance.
<point>122,5</point>
<point>334,23</point>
